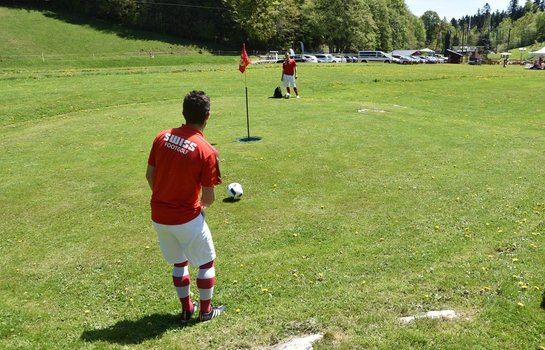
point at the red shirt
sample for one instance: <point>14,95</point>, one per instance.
<point>184,162</point>
<point>288,67</point>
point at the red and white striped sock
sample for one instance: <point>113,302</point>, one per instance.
<point>205,282</point>
<point>181,280</point>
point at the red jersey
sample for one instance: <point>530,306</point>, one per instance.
<point>184,162</point>
<point>288,67</point>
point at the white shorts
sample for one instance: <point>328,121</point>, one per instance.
<point>288,80</point>
<point>190,241</point>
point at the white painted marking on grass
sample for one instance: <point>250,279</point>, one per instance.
<point>304,343</point>
<point>365,110</point>
<point>446,314</point>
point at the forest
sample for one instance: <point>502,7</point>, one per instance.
<point>317,25</point>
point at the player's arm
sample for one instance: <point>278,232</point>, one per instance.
<point>207,197</point>
<point>149,175</point>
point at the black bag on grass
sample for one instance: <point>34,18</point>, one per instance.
<point>277,92</point>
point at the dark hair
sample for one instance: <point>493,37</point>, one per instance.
<point>196,107</point>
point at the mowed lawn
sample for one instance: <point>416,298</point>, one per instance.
<point>385,191</point>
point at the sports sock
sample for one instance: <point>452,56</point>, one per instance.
<point>205,282</point>
<point>181,280</point>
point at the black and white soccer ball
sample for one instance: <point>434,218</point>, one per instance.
<point>234,191</point>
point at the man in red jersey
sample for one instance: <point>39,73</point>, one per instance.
<point>289,74</point>
<point>183,169</point>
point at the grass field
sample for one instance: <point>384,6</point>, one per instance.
<point>385,191</point>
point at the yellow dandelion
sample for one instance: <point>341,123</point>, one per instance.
<point>520,304</point>
<point>264,290</point>
<point>515,259</point>
<point>237,311</point>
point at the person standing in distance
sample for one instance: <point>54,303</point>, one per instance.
<point>183,169</point>
<point>289,74</point>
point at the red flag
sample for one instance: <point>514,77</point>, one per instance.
<point>244,60</point>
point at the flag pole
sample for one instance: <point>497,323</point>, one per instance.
<point>244,62</point>
<point>247,113</point>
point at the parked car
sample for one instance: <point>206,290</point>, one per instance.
<point>310,58</point>
<point>324,57</point>
<point>351,59</point>
<point>440,58</point>
<point>339,59</point>
<point>431,59</point>
<point>298,58</point>
<point>404,59</point>
<point>374,56</point>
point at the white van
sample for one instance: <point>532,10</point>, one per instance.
<point>374,56</point>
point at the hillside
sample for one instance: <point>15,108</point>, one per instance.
<point>32,36</point>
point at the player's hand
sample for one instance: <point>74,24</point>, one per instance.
<point>296,77</point>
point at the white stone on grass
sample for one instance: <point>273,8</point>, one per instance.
<point>304,343</point>
<point>446,314</point>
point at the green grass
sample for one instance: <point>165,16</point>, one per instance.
<point>385,191</point>
<point>31,38</point>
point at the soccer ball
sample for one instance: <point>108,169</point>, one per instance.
<point>234,190</point>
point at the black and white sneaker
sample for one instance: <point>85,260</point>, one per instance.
<point>214,312</point>
<point>186,315</point>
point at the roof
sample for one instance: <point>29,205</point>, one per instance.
<point>454,53</point>
<point>406,52</point>
<point>538,52</point>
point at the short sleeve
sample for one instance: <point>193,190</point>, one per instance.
<point>211,175</point>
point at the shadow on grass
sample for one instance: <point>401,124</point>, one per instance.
<point>138,331</point>
<point>110,26</point>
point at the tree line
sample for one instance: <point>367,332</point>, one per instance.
<point>334,25</point>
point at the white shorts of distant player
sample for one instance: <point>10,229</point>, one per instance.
<point>190,241</point>
<point>288,80</point>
